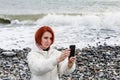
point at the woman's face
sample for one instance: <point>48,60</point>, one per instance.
<point>46,40</point>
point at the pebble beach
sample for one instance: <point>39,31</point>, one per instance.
<point>92,63</point>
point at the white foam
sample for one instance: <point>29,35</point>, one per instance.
<point>75,29</point>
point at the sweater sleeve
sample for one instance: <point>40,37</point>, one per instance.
<point>64,69</point>
<point>40,66</point>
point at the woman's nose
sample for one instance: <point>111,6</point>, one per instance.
<point>49,40</point>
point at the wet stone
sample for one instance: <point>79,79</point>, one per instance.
<point>97,63</point>
<point>92,63</point>
<point>14,67</point>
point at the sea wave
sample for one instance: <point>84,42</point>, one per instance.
<point>42,15</point>
<point>93,20</point>
<point>22,17</point>
<point>4,21</point>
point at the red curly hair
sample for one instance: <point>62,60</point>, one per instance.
<point>39,33</point>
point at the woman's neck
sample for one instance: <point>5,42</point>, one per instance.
<point>44,49</point>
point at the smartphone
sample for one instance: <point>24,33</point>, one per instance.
<point>72,50</point>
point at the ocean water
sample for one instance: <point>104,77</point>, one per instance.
<point>57,6</point>
<point>79,22</point>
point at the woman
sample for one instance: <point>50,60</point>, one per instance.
<point>44,62</point>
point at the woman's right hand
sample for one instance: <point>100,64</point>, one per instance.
<point>64,55</point>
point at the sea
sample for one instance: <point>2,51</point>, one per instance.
<point>75,22</point>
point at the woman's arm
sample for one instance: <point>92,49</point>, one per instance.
<point>64,67</point>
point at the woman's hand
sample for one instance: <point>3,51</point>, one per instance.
<point>71,61</point>
<point>64,55</point>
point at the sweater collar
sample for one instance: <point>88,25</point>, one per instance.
<point>43,50</point>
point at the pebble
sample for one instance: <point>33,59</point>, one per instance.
<point>92,63</point>
<point>97,63</point>
<point>13,64</point>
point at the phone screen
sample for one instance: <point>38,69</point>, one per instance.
<point>72,50</point>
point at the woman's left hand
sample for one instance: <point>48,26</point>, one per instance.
<point>71,61</point>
